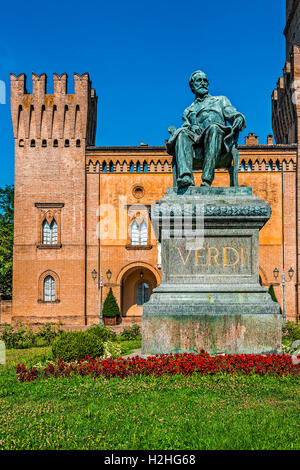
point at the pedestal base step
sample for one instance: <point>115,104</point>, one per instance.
<point>216,334</point>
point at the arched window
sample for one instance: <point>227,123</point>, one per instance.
<point>104,167</point>
<point>111,167</point>
<point>49,289</point>
<point>139,233</point>
<point>270,165</point>
<point>277,165</point>
<point>142,293</point>
<point>44,143</point>
<point>67,143</point>
<point>131,167</point>
<point>55,143</point>
<point>49,233</point>
<point>77,143</point>
<point>32,143</point>
<point>243,166</point>
<point>249,166</point>
<point>145,167</point>
<point>138,167</point>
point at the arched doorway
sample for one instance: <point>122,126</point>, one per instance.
<point>137,286</point>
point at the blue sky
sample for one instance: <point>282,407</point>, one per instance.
<point>139,55</point>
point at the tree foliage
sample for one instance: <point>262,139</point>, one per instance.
<point>6,239</point>
<point>110,306</point>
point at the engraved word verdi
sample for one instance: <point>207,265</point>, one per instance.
<point>227,256</point>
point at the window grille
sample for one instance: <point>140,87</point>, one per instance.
<point>49,289</point>
<point>49,233</point>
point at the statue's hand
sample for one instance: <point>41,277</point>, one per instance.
<point>171,129</point>
<point>238,124</point>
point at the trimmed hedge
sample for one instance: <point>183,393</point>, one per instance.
<point>73,345</point>
<point>110,306</point>
<point>103,333</point>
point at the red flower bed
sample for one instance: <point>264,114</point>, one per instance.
<point>167,364</point>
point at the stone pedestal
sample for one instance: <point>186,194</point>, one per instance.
<point>210,297</point>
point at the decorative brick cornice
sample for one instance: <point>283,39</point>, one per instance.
<point>49,205</point>
<point>211,211</point>
<point>138,247</point>
<point>49,247</point>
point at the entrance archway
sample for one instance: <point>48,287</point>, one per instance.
<point>137,285</point>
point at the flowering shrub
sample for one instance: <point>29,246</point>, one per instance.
<point>131,332</point>
<point>111,350</point>
<point>23,336</point>
<point>167,364</point>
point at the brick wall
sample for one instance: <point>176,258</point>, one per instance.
<point>5,311</point>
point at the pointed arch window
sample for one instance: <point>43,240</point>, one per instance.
<point>249,166</point>
<point>139,233</point>
<point>49,225</point>
<point>270,165</point>
<point>143,293</point>
<point>145,167</point>
<point>49,289</point>
<point>49,233</point>
<point>242,166</point>
<point>131,167</point>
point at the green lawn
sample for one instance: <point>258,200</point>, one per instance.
<point>221,412</point>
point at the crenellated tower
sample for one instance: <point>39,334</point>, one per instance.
<point>51,133</point>
<point>53,117</point>
<point>286,128</point>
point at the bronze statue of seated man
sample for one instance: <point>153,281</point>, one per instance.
<point>204,141</point>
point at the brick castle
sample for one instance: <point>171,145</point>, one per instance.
<point>62,178</point>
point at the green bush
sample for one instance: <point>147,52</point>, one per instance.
<point>131,332</point>
<point>103,333</point>
<point>112,350</point>
<point>22,336</point>
<point>110,306</point>
<point>18,336</point>
<point>48,332</point>
<point>292,331</point>
<point>73,345</point>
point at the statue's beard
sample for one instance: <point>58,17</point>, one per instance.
<point>202,92</point>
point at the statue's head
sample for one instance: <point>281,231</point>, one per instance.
<point>199,83</point>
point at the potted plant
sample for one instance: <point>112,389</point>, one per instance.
<point>111,309</point>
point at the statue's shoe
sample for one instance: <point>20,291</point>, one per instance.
<point>205,184</point>
<point>184,182</point>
